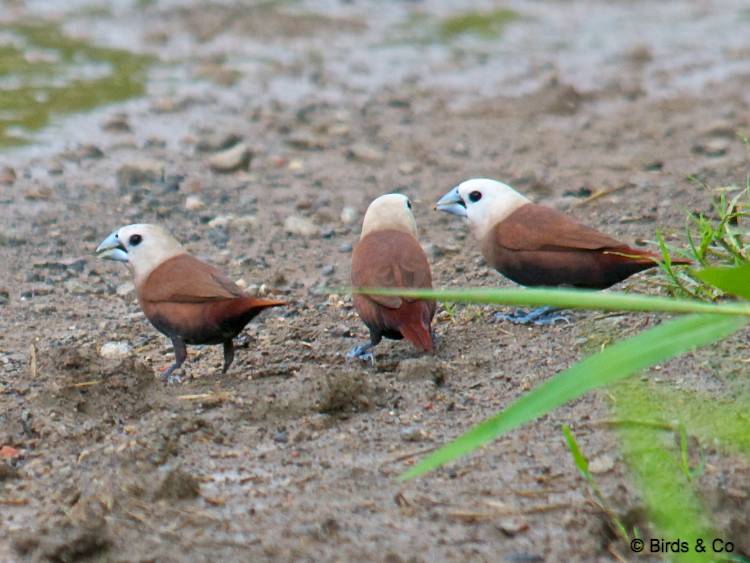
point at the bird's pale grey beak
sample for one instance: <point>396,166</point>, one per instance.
<point>112,249</point>
<point>452,203</point>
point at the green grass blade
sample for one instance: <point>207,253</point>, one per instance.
<point>581,461</point>
<point>612,364</point>
<point>730,280</point>
<point>568,299</point>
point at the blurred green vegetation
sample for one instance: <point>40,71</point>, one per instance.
<point>45,73</point>
<point>423,28</point>
<point>718,238</point>
<point>484,24</point>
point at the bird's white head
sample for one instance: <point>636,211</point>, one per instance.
<point>142,246</point>
<point>483,202</point>
<point>389,211</point>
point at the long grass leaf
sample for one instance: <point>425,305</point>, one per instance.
<point>567,298</point>
<point>612,364</point>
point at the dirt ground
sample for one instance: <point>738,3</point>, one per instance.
<point>294,454</point>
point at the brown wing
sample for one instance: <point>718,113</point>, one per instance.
<point>390,258</point>
<point>184,279</point>
<point>535,227</point>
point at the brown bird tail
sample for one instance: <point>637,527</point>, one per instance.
<point>419,336</point>
<point>255,304</point>
<point>413,322</point>
<point>645,257</point>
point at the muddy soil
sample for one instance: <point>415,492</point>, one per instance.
<point>295,453</point>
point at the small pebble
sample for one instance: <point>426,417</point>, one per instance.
<point>345,247</point>
<point>7,175</point>
<point>281,437</point>
<point>713,147</point>
<point>296,165</point>
<point>460,149</point>
<point>218,141</point>
<point>365,153</point>
<point>244,222</point>
<point>348,215</point>
<point>602,464</point>
<point>307,141</point>
<point>341,331</point>
<point>114,350</point>
<point>230,160</point>
<point>117,123</point>
<point>194,203</point>
<point>55,168</point>
<point>512,526</point>
<point>407,168</point>
<point>125,289</point>
<point>139,172</point>
<point>89,151</point>
<point>296,225</point>
<point>413,434</point>
<point>76,287</point>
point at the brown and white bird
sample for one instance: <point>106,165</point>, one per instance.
<point>534,245</point>
<point>389,255</point>
<point>185,298</point>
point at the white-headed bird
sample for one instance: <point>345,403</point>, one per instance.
<point>388,255</point>
<point>535,246</point>
<point>185,298</point>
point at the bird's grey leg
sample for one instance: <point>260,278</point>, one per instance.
<point>180,355</point>
<point>363,351</point>
<point>435,338</point>
<point>228,355</point>
<point>541,316</point>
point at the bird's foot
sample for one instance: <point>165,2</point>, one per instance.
<point>242,341</point>
<point>361,352</point>
<point>541,316</point>
<point>435,338</point>
<point>173,379</point>
<point>172,375</point>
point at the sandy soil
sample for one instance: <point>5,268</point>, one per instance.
<point>294,454</point>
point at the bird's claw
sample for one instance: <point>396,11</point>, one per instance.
<point>542,316</point>
<point>361,352</point>
<point>171,376</point>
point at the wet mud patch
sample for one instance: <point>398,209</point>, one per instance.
<point>45,73</point>
<point>263,21</point>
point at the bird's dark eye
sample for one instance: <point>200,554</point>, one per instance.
<point>135,240</point>
<point>408,204</point>
<point>475,196</point>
